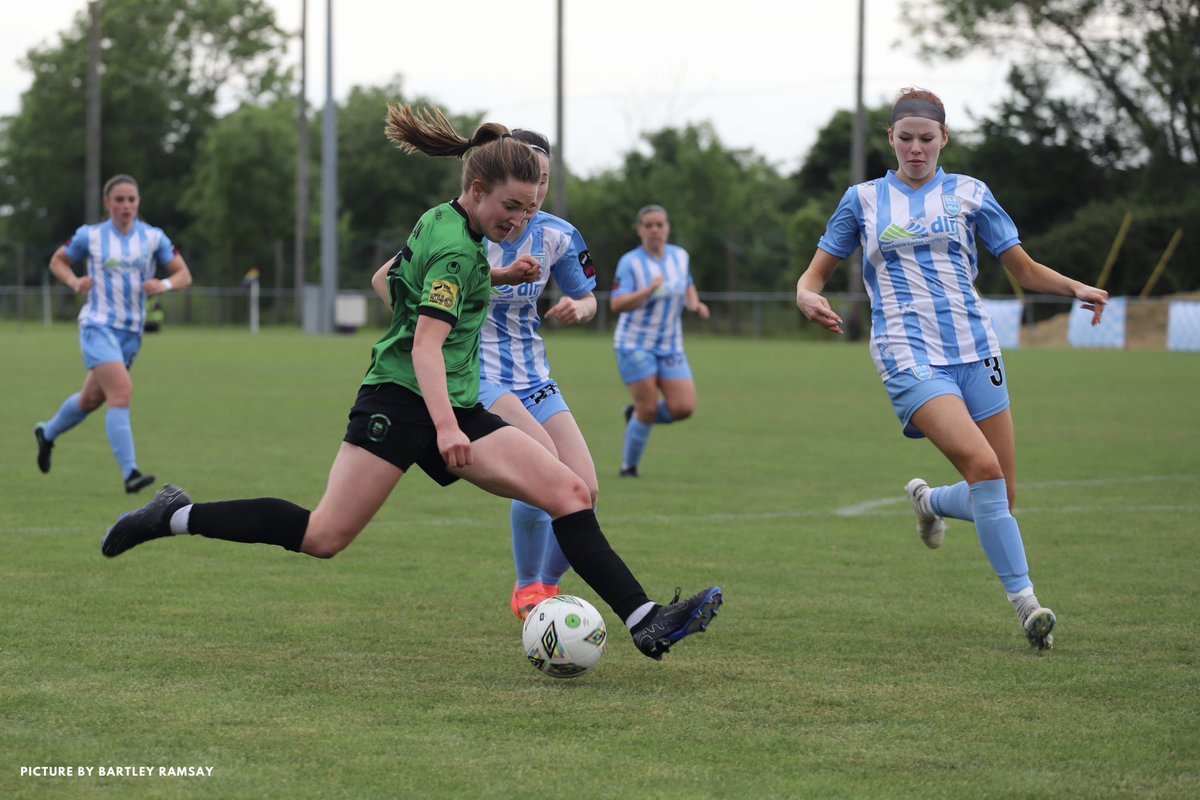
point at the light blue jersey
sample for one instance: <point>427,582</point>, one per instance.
<point>919,266</point>
<point>658,325</point>
<point>118,265</point>
<point>512,353</point>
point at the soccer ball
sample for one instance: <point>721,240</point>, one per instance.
<point>564,636</point>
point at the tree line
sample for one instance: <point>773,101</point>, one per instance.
<point>223,185</point>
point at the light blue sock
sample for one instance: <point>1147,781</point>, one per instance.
<point>529,545</point>
<point>952,501</point>
<point>663,417</point>
<point>999,534</point>
<point>637,433</point>
<point>69,415</point>
<point>554,563</point>
<point>120,438</point>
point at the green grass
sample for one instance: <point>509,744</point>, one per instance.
<point>848,661</point>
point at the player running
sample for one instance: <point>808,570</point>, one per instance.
<point>931,337</point>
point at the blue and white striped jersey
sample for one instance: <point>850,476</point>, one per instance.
<point>658,325</point>
<point>512,353</point>
<point>118,265</point>
<point>919,266</point>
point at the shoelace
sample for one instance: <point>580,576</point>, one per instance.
<point>675,599</point>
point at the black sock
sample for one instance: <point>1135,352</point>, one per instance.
<point>584,545</point>
<point>266,520</point>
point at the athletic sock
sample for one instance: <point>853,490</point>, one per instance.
<point>266,520</point>
<point>601,568</point>
<point>999,534</point>
<point>528,541</point>
<point>69,415</point>
<point>639,615</point>
<point>663,416</point>
<point>179,520</point>
<point>952,501</point>
<point>637,433</point>
<point>554,561</point>
<point>120,438</point>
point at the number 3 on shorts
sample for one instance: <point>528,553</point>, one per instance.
<point>997,378</point>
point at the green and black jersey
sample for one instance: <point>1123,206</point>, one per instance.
<point>442,272</point>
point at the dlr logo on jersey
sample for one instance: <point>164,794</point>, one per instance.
<point>947,225</point>
<point>507,293</point>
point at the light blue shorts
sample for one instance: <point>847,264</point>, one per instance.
<point>543,401</point>
<point>982,385</point>
<point>101,345</point>
<point>637,365</point>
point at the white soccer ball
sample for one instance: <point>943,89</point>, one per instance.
<point>564,636</point>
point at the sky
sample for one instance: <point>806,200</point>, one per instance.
<point>768,74</point>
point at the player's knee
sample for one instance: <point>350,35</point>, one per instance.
<point>647,413</point>
<point>681,411</point>
<point>90,401</point>
<point>323,542</point>
<point>322,548</point>
<point>983,466</point>
<point>570,496</point>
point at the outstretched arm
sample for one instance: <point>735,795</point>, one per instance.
<point>1041,279</point>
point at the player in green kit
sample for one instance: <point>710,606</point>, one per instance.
<point>418,403</point>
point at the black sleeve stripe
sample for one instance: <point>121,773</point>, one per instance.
<point>437,313</point>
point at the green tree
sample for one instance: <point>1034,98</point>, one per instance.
<point>725,206</point>
<point>383,191</point>
<point>241,196</point>
<point>165,67</point>
<point>1142,79</point>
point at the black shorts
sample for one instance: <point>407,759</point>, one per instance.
<point>393,423</point>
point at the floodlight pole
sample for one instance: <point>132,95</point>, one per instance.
<point>91,167</point>
<point>858,173</point>
<point>329,243</point>
<point>559,173</point>
<point>300,242</point>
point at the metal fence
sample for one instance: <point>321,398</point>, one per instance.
<point>751,314</point>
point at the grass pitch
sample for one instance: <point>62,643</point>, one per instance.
<point>848,661</point>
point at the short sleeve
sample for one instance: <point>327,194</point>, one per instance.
<point>443,289</point>
<point>573,271</point>
<point>77,246</point>
<point>165,252</point>
<point>843,231</point>
<point>993,226</point>
<point>624,281</point>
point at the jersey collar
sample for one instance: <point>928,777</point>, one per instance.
<point>895,181</point>
<point>454,204</point>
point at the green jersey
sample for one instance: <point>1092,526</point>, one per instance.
<point>442,272</point>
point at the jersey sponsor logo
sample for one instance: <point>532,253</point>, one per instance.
<point>112,263</point>
<point>521,292</point>
<point>894,232</point>
<point>443,294</point>
<point>952,203</point>
<point>377,427</point>
<point>916,234</point>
